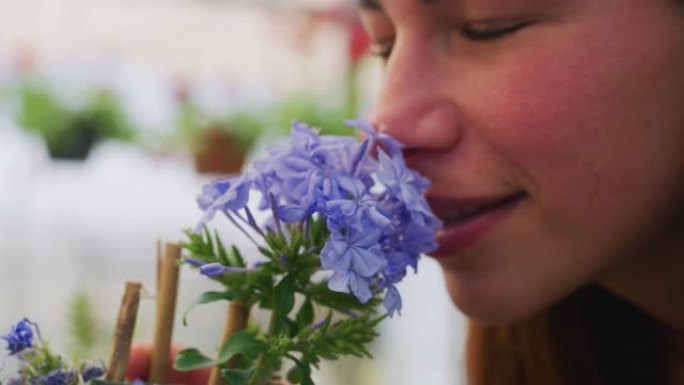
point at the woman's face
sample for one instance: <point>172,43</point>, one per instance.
<point>552,132</point>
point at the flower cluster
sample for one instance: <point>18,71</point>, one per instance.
<point>20,337</point>
<point>38,365</point>
<point>377,218</point>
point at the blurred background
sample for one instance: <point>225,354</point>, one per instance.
<point>114,113</point>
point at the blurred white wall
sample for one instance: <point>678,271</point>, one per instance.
<point>190,38</point>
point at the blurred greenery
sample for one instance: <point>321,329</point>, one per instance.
<point>306,109</point>
<point>84,330</point>
<point>244,127</point>
<point>70,133</point>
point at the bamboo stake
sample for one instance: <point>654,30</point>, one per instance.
<point>166,308</point>
<point>123,333</point>
<point>238,313</point>
<point>159,264</point>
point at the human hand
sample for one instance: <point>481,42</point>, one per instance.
<point>140,361</point>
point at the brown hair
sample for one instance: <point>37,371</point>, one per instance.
<point>590,338</point>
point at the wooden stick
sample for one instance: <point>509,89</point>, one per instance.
<point>238,314</point>
<point>123,333</point>
<point>166,309</point>
<point>159,264</point>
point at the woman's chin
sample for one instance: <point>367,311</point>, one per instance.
<point>489,304</point>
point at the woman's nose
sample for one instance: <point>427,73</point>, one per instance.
<point>414,104</point>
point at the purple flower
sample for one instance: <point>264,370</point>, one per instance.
<point>215,269</point>
<point>211,192</point>
<point>291,213</point>
<point>397,261</point>
<point>357,210</point>
<point>377,219</point>
<point>20,337</point>
<point>357,251</point>
<point>417,239</point>
<point>401,181</point>
<point>392,301</point>
<point>92,370</point>
<point>58,377</point>
<point>350,282</point>
<point>228,194</point>
<point>386,142</point>
<point>193,261</point>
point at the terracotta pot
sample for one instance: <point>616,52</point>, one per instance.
<point>219,153</point>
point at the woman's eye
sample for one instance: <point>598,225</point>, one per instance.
<point>382,50</point>
<point>490,30</point>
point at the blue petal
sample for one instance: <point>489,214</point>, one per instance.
<point>339,282</point>
<point>360,288</point>
<point>392,301</point>
<point>213,269</point>
<point>334,255</point>
<point>365,262</point>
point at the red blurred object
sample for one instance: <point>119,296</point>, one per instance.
<point>141,358</point>
<point>358,39</point>
<point>219,153</point>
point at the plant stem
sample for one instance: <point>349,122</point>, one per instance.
<point>238,314</point>
<point>263,369</point>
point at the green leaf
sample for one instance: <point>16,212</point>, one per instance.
<point>320,293</point>
<point>292,328</point>
<point>239,261</point>
<point>305,315</point>
<point>295,375</point>
<point>283,296</point>
<point>237,377</point>
<point>300,374</point>
<point>306,379</point>
<point>190,359</point>
<point>207,236</point>
<point>296,242</point>
<point>208,297</point>
<point>241,342</point>
<point>276,241</point>
<point>283,302</point>
<point>222,255</point>
<point>266,252</point>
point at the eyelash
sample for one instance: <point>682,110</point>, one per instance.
<point>383,50</point>
<point>488,34</point>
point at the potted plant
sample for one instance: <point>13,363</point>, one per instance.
<point>219,145</point>
<point>70,133</point>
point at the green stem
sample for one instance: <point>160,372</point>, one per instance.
<point>263,369</point>
<point>261,372</point>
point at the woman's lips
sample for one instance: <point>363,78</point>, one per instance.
<point>468,220</point>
